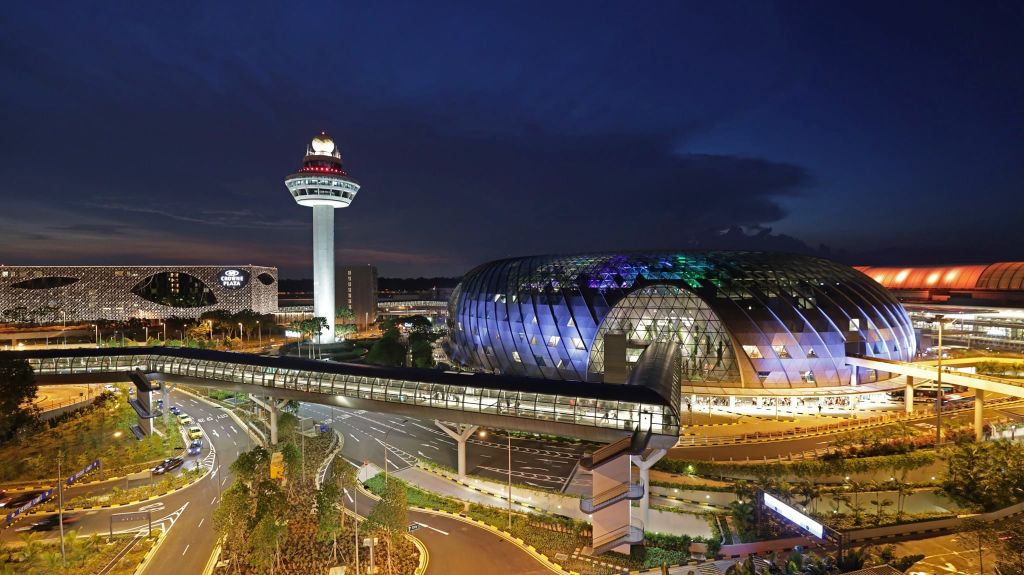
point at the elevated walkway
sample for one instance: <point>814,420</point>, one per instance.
<point>1000,385</point>
<point>593,411</point>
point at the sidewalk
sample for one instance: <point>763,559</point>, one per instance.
<point>492,493</point>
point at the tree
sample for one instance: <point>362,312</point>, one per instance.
<point>344,314</point>
<point>17,390</point>
<point>747,567</point>
<point>250,463</point>
<point>329,516</point>
<point>387,351</point>
<point>265,551</point>
<point>391,513</point>
<point>421,351</point>
<point>1010,556</point>
<point>292,460</point>
<point>974,534</point>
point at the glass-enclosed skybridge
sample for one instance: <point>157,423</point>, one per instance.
<point>594,411</point>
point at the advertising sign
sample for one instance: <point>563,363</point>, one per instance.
<point>799,519</point>
<point>35,501</point>
<point>233,278</point>
<point>75,477</point>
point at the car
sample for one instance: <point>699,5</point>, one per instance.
<point>195,447</point>
<point>15,500</point>
<point>176,410</point>
<point>168,465</point>
<point>195,432</point>
<point>50,523</point>
<point>109,387</point>
<point>184,419</point>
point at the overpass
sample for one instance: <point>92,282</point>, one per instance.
<point>593,411</point>
<point>980,383</point>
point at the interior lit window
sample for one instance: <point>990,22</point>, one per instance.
<point>752,352</point>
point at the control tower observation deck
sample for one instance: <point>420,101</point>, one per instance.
<point>323,185</point>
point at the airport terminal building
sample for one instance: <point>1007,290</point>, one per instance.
<point>86,293</point>
<point>741,319</point>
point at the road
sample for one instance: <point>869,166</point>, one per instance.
<point>459,548</point>
<point>796,446</point>
<point>539,464</point>
<point>190,541</point>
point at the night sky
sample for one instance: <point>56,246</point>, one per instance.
<point>876,133</point>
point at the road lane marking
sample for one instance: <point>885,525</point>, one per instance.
<point>186,549</point>
<point>429,527</point>
<point>201,522</point>
<point>354,437</point>
<point>214,500</point>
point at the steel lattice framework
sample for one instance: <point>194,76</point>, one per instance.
<point>749,319</point>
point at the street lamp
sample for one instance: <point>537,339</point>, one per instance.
<point>97,328</point>
<point>508,436</point>
<point>941,319</point>
<point>164,325</point>
<point>386,452</point>
<point>146,327</point>
<point>259,329</point>
<point>64,326</point>
<point>239,331</point>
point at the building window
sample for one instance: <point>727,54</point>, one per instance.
<point>553,341</point>
<point>855,324</point>
<point>781,351</point>
<point>516,358</point>
<point>807,376</point>
<point>578,343</point>
<point>811,353</point>
<point>752,352</point>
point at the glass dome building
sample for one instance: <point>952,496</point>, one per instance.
<point>741,319</point>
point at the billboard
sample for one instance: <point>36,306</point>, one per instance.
<point>799,519</point>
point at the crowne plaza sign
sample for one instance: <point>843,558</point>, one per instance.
<point>233,278</point>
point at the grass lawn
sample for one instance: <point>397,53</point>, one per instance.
<point>85,436</point>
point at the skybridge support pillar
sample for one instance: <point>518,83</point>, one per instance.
<point>275,410</point>
<point>460,433</point>
<point>644,465</point>
<point>908,394</point>
<point>979,414</point>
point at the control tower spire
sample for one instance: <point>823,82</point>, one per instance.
<point>323,185</point>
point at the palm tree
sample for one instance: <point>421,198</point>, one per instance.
<point>30,552</point>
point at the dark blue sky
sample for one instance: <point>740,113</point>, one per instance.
<point>875,132</point>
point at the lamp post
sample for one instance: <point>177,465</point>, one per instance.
<point>239,331</point>
<point>940,318</point>
<point>64,326</point>
<point>508,436</point>
<point>97,328</point>
<point>146,327</point>
<point>386,453</point>
<point>60,506</point>
<point>259,330</point>
<point>163,324</point>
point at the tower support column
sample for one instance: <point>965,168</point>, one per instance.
<point>460,433</point>
<point>644,465</point>
<point>323,269</point>
<point>979,414</point>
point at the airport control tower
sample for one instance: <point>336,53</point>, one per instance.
<point>323,185</point>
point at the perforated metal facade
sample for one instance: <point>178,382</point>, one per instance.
<point>741,318</point>
<point>84,293</point>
